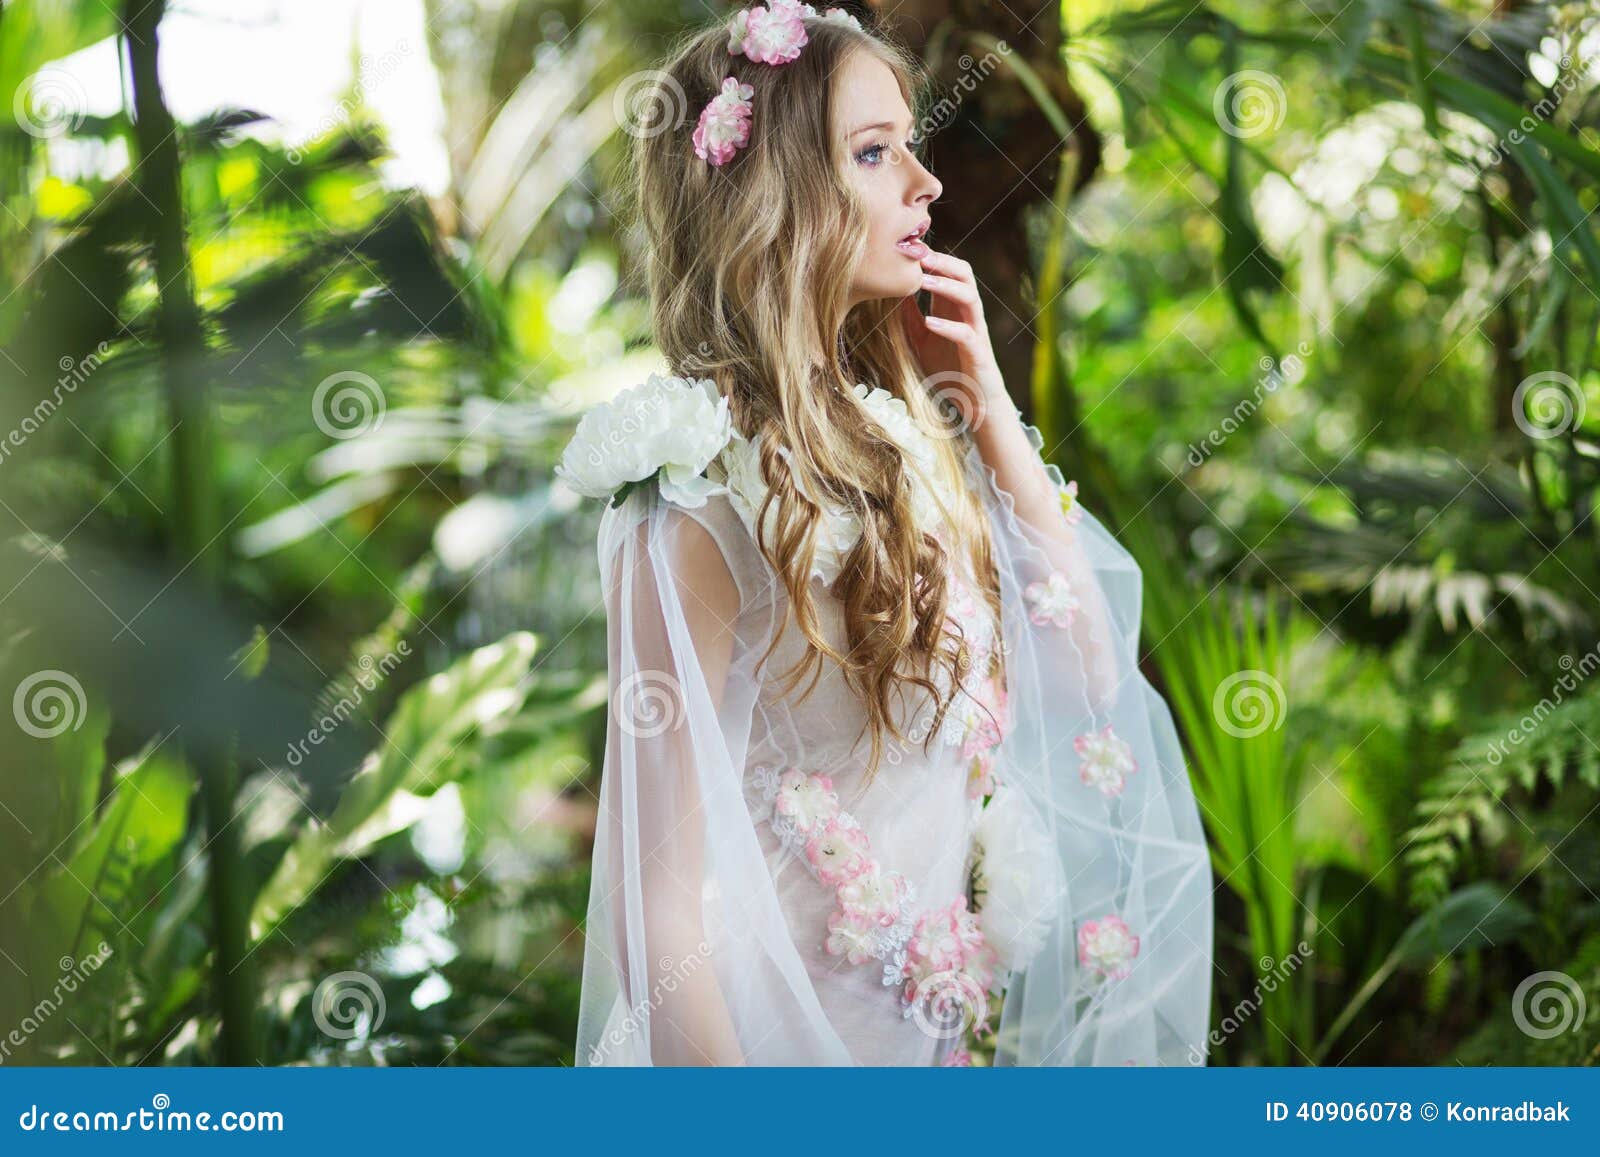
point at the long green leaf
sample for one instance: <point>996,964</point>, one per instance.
<point>431,721</point>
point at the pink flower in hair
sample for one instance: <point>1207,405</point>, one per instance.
<point>772,34</point>
<point>724,124</point>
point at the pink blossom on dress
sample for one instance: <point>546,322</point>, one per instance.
<point>724,126</point>
<point>965,923</point>
<point>851,935</point>
<point>958,1058</point>
<point>981,778</point>
<point>1108,946</point>
<point>806,799</point>
<point>875,895</point>
<point>838,852</point>
<point>991,719</point>
<point>1069,503</point>
<point>1052,602</point>
<point>1107,760</point>
<point>934,942</point>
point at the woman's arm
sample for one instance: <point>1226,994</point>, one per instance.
<point>953,343</point>
<point>654,793</point>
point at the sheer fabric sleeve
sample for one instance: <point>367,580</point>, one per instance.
<point>688,959</point>
<point>1124,974</point>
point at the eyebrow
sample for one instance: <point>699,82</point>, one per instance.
<point>868,128</point>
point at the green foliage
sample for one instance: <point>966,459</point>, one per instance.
<point>1549,744</point>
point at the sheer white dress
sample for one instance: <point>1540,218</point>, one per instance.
<point>755,901</point>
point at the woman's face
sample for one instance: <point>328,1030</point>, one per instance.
<point>894,187</point>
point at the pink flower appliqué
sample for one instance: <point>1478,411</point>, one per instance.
<point>851,934</point>
<point>772,34</point>
<point>806,799</point>
<point>838,853</point>
<point>981,778</point>
<point>1108,946</point>
<point>875,895</point>
<point>724,126</point>
<point>991,721</point>
<point>1051,602</point>
<point>1069,503</point>
<point>934,942</point>
<point>959,1058</point>
<point>1107,761</point>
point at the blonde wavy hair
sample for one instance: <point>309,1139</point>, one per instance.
<point>750,265</point>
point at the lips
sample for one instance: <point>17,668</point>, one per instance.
<point>911,244</point>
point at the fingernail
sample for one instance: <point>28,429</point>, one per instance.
<point>927,280</point>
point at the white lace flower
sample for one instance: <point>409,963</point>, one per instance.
<point>1051,602</point>
<point>1018,877</point>
<point>670,428</point>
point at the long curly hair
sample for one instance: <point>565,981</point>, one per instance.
<point>749,268</point>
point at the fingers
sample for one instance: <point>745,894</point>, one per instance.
<point>959,332</point>
<point>952,267</point>
<point>962,292</point>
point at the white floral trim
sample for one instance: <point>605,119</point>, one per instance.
<point>838,529</point>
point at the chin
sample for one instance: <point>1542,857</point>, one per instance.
<point>889,284</point>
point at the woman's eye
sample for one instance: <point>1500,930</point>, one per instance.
<point>874,155</point>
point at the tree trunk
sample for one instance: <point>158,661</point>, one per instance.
<point>996,151</point>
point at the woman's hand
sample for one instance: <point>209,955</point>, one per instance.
<point>952,342</point>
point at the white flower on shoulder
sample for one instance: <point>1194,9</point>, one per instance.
<point>836,532</point>
<point>1018,877</point>
<point>670,428</point>
<point>930,495</point>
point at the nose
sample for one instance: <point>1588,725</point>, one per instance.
<point>925,187</point>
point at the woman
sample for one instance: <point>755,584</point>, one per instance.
<point>882,779</point>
